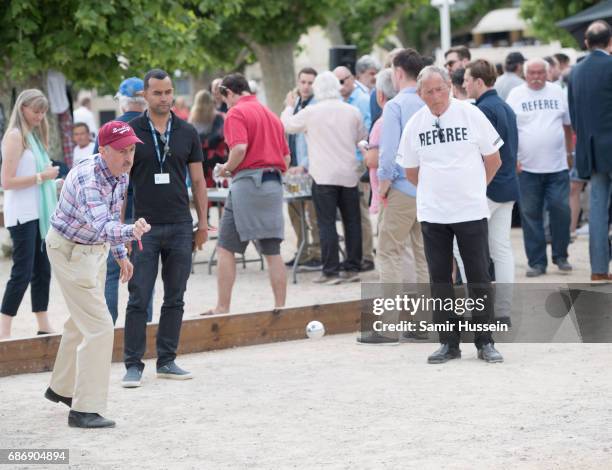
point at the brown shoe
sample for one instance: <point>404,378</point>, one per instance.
<point>601,277</point>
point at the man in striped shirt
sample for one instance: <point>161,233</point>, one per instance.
<point>86,221</point>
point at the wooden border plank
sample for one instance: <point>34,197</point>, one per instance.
<point>37,354</point>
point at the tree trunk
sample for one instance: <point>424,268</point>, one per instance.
<point>334,33</point>
<point>278,70</point>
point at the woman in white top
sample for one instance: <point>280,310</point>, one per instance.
<point>29,199</point>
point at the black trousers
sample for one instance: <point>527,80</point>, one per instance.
<point>30,268</point>
<point>473,241</point>
<point>327,200</point>
<point>172,243</point>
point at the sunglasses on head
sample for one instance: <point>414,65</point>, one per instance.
<point>223,90</point>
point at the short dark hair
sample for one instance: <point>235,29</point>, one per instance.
<point>157,74</point>
<point>550,60</point>
<point>598,34</point>
<point>236,83</point>
<point>80,124</point>
<point>427,60</point>
<point>457,77</point>
<point>462,51</point>
<point>484,70</point>
<point>562,58</point>
<point>410,61</point>
<point>307,71</point>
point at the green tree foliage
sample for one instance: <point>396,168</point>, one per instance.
<point>420,27</point>
<point>97,43</point>
<point>543,14</point>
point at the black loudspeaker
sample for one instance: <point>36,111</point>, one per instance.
<point>343,55</point>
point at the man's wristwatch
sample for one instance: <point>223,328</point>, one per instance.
<point>39,179</point>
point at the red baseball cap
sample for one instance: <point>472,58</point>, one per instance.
<point>118,135</point>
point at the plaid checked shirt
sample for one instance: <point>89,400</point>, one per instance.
<point>89,207</point>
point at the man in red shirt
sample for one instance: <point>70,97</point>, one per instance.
<point>254,208</point>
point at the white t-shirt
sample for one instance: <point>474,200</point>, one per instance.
<point>540,116</point>
<point>81,153</point>
<point>452,179</point>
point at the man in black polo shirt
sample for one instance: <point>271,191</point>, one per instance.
<point>170,147</point>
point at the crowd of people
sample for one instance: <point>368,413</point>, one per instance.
<point>441,154</point>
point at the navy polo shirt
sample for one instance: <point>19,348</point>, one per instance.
<point>504,187</point>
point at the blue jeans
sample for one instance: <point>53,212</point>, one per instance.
<point>538,189</point>
<point>599,251</point>
<point>111,290</point>
<point>30,268</point>
<point>173,243</point>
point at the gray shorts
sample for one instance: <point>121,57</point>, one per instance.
<point>230,239</point>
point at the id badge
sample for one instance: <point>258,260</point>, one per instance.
<point>162,178</point>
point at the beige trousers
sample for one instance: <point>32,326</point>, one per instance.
<point>398,228</point>
<point>82,365</point>
<point>313,249</point>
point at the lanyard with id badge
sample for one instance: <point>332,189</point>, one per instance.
<point>161,177</point>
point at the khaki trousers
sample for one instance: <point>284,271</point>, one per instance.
<point>312,251</point>
<point>398,228</point>
<point>82,365</point>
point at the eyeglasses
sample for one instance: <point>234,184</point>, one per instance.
<point>450,63</point>
<point>345,79</point>
<point>223,90</point>
<point>439,129</point>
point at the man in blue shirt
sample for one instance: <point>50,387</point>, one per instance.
<point>399,227</point>
<point>355,96</point>
<point>503,190</point>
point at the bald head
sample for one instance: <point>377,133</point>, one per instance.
<point>598,35</point>
<point>346,79</point>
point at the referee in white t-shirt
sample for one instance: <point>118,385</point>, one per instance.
<point>450,152</point>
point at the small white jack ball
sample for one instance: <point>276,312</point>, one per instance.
<point>315,330</point>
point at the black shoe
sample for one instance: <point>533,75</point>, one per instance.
<point>375,338</point>
<point>310,265</point>
<point>367,265</point>
<point>444,354</point>
<point>77,419</point>
<point>489,353</point>
<point>415,335</point>
<point>54,397</point>
<point>290,263</point>
<point>563,265</point>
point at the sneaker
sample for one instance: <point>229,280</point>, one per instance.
<point>375,338</point>
<point>563,265</point>
<point>311,265</point>
<point>535,271</point>
<point>172,371</point>
<point>584,230</point>
<point>489,354</point>
<point>132,377</point>
<point>367,265</point>
<point>290,263</point>
<point>349,276</point>
<point>327,279</point>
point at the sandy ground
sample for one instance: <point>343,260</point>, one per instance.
<point>333,404</point>
<point>252,291</point>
